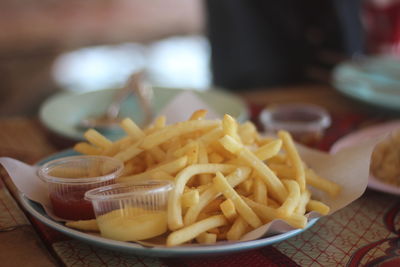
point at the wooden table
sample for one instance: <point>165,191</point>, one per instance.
<point>334,240</point>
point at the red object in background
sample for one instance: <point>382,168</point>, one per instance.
<point>71,205</point>
<point>382,26</point>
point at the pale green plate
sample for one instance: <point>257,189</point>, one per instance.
<point>374,80</point>
<point>62,112</point>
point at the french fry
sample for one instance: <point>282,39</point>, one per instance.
<point>242,208</point>
<point>325,185</point>
<point>230,127</point>
<point>228,209</point>
<point>189,232</point>
<point>174,205</point>
<point>128,153</point>
<point>87,149</point>
<point>131,128</point>
<point>294,158</point>
<point>269,150</point>
<point>260,191</point>
<point>168,167</point>
<point>238,229</point>
<point>274,184</point>
<point>171,131</point>
<point>234,178</point>
<point>268,214</point>
<point>206,238</point>
<point>97,139</point>
<point>190,198</point>
<point>292,200</point>
<point>198,114</point>
<point>301,205</point>
<point>318,206</point>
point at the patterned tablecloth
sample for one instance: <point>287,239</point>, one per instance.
<point>364,233</point>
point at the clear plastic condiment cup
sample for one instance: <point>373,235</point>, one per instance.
<point>69,178</point>
<point>305,122</point>
<point>131,211</point>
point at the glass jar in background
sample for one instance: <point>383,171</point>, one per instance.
<point>305,122</point>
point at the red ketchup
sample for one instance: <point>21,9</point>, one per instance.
<point>71,205</point>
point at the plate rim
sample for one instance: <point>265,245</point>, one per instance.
<point>158,251</point>
<point>354,138</point>
<point>243,114</point>
<point>384,100</point>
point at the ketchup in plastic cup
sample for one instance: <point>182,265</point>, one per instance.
<point>306,123</point>
<point>69,178</point>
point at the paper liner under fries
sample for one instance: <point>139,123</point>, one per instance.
<point>349,168</point>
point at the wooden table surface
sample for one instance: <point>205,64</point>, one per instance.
<point>26,139</point>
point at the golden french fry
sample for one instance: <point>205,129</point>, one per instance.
<point>247,133</point>
<point>260,191</point>
<point>97,139</point>
<point>171,131</point>
<point>304,199</point>
<point>292,200</point>
<point>190,198</point>
<point>323,184</point>
<point>198,114</point>
<point>234,178</point>
<point>158,154</point>
<point>230,127</point>
<point>189,232</point>
<point>131,128</point>
<point>269,150</point>
<point>294,158</point>
<point>206,238</point>
<point>174,205</point>
<point>169,167</point>
<point>238,229</point>
<point>228,209</point>
<point>242,208</point>
<point>203,159</point>
<point>268,214</point>
<point>274,184</point>
<point>87,149</point>
<point>128,153</point>
<point>318,206</point>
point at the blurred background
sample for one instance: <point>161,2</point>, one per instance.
<point>49,46</point>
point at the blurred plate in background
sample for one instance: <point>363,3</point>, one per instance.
<point>374,80</point>
<point>62,112</point>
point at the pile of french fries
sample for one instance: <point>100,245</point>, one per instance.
<point>228,179</point>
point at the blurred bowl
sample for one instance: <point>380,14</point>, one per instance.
<point>305,122</point>
<point>62,112</point>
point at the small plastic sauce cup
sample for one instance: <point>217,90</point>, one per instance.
<point>305,122</point>
<point>131,211</point>
<point>69,178</point>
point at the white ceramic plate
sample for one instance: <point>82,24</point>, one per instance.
<point>38,212</point>
<point>62,112</point>
<point>362,135</point>
<point>224,248</point>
